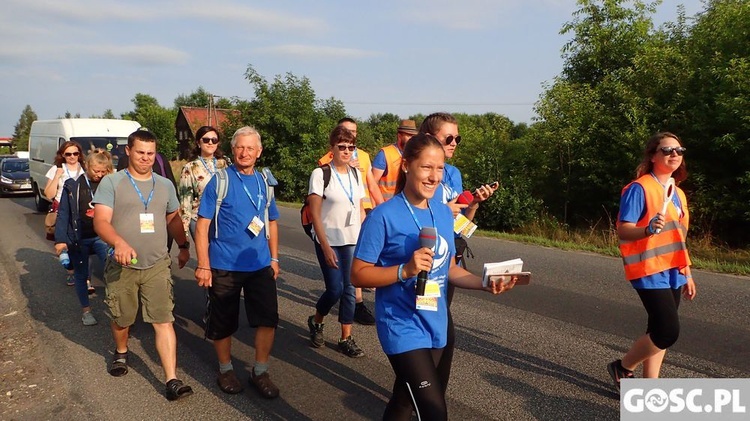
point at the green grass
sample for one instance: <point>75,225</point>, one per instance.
<point>704,253</point>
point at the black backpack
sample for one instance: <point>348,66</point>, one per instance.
<point>305,216</point>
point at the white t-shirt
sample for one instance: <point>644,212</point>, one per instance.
<point>67,173</point>
<point>336,206</point>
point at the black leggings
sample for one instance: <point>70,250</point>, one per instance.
<point>446,361</point>
<point>417,387</point>
<point>663,322</point>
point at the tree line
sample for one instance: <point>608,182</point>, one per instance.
<point>623,79</point>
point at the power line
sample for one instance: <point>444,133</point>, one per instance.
<point>440,103</point>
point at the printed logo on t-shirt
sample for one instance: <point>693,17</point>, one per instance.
<point>448,193</point>
<point>441,254</point>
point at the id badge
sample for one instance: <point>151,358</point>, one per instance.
<point>147,223</point>
<point>426,303</point>
<point>352,218</point>
<point>432,289</point>
<point>429,301</point>
<point>255,226</point>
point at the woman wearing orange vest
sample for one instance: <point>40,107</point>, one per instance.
<point>654,253</point>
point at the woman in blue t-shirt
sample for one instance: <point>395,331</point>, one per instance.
<point>413,329</point>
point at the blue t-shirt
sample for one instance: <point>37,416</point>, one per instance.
<point>451,186</point>
<point>632,209</point>
<point>389,237</point>
<point>237,249</point>
<point>380,162</point>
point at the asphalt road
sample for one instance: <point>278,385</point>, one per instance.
<point>538,352</point>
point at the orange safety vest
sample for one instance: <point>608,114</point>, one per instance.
<point>364,164</point>
<point>658,252</point>
<point>387,182</point>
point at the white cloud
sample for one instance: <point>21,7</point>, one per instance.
<point>138,54</point>
<point>316,51</point>
<point>250,19</point>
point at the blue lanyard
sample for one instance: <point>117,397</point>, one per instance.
<point>416,221</point>
<point>350,192</point>
<point>86,177</point>
<point>137,190</point>
<point>206,165</point>
<point>250,196</point>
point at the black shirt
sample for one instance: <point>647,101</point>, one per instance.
<point>85,207</point>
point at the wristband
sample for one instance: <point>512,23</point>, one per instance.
<point>273,259</point>
<point>645,232</point>
<point>202,268</point>
<point>401,268</point>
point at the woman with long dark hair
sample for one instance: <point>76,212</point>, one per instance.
<point>207,158</point>
<point>68,165</point>
<point>413,328</point>
<point>652,235</point>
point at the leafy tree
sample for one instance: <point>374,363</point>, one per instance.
<point>593,120</point>
<point>294,126</point>
<point>198,98</point>
<point>157,119</point>
<point>23,128</point>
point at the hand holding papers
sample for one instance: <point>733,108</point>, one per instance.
<point>508,269</point>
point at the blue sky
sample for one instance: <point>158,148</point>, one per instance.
<point>404,57</point>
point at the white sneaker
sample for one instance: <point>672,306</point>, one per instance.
<point>88,319</point>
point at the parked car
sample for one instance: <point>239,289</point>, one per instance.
<point>14,176</point>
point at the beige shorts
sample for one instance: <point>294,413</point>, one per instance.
<point>154,286</point>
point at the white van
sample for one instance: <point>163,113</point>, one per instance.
<point>47,136</point>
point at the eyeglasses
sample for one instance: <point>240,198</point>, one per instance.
<point>667,150</point>
<point>342,148</point>
<point>213,140</point>
<point>67,154</point>
<point>451,138</point>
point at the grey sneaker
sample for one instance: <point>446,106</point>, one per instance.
<point>349,348</point>
<point>88,319</point>
<point>316,332</point>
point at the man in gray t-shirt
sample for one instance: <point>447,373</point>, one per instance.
<point>133,209</point>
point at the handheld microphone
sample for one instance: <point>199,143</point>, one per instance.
<point>427,238</point>
<point>465,198</point>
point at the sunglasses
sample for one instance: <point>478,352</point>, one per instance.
<point>213,140</point>
<point>451,138</point>
<point>71,154</point>
<point>342,148</point>
<point>667,150</point>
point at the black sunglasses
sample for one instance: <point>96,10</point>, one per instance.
<point>213,140</point>
<point>344,147</point>
<point>71,153</point>
<point>451,138</point>
<point>667,150</point>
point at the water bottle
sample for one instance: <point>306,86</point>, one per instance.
<point>64,259</point>
<point>111,254</point>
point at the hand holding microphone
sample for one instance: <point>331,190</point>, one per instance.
<point>427,238</point>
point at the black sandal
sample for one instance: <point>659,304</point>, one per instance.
<point>119,365</point>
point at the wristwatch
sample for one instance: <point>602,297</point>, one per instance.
<point>185,245</point>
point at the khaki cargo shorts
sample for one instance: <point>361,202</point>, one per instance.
<point>154,286</point>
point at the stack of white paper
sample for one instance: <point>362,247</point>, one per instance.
<point>501,268</point>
